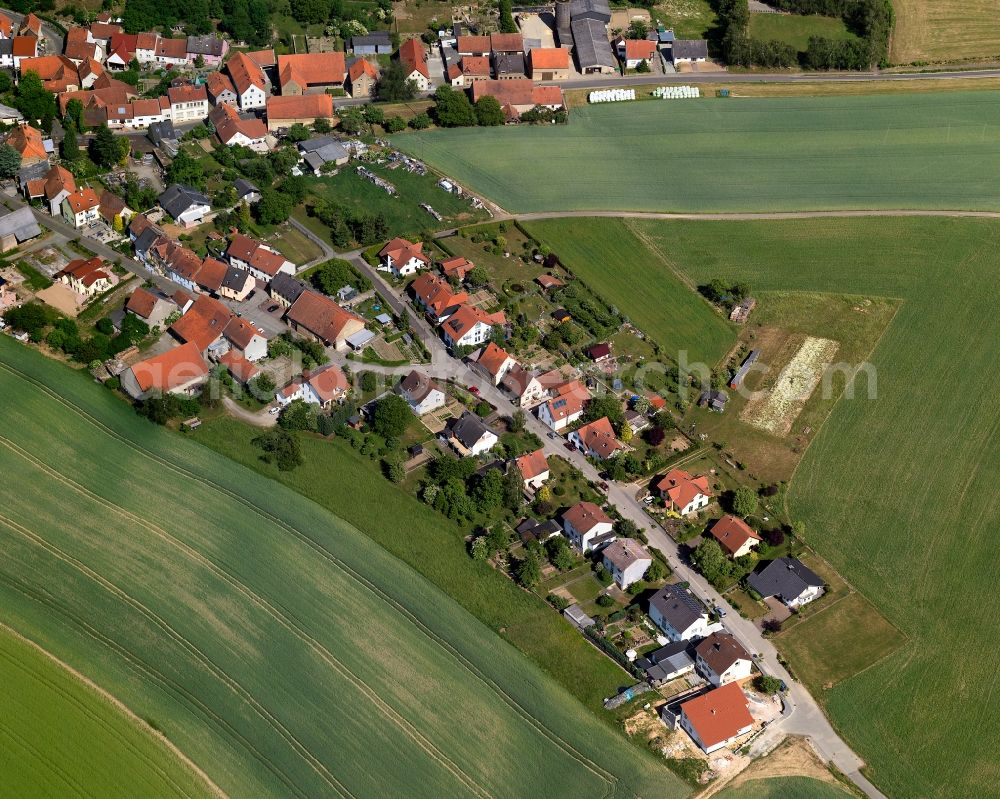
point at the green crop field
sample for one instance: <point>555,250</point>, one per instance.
<point>642,282</point>
<point>61,738</point>
<point>784,788</point>
<point>778,154</point>
<point>898,492</point>
<point>276,646</point>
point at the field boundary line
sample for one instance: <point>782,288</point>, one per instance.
<point>153,675</point>
<point>178,639</point>
<point>526,716</point>
<point>398,719</point>
<point>130,719</point>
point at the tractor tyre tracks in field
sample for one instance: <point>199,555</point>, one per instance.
<point>280,616</point>
<point>130,718</point>
<point>595,768</point>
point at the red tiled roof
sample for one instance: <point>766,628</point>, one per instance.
<point>240,332</point>
<point>218,83</point>
<point>309,106</point>
<point>228,124</point>
<point>83,200</point>
<point>532,464</point>
<point>239,367</point>
<point>456,266</point>
<point>328,383</point>
<point>244,248</point>
<point>506,43</point>
<point>718,715</point>
<point>104,30</point>
<point>599,436</point>
<point>203,323</point>
<point>362,67</point>
<point>321,316</point>
<point>87,271</point>
<point>569,400</point>
<point>262,58</point>
<point>173,368</point>
<point>473,44</point>
<point>732,533</point>
<point>245,73</point>
<point>547,95</point>
<point>548,281</point>
<point>639,49</point>
<point>435,292</point>
<point>141,303</point>
<point>720,651</point>
<point>311,69</point>
<point>401,251</point>
<point>413,56</point>
<point>57,180</point>
<point>584,516</point>
<point>549,58</point>
<point>492,358</point>
<point>680,487</point>
<point>477,66</point>
<point>6,26</point>
<point>211,274</point>
<point>24,46</point>
<point>187,94</point>
<point>171,48</point>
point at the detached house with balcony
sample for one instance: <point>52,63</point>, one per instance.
<point>683,493</point>
<point>402,258</point>
<point>588,527</point>
<point>82,207</point>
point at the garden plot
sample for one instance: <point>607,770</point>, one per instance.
<point>775,412</point>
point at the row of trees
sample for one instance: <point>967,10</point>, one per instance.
<point>44,323</point>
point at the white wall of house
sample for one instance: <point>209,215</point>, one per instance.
<point>435,399</point>
<point>807,596</point>
<point>582,540</point>
<point>545,416</point>
<point>689,728</point>
<point>630,574</point>
<point>739,670</point>
<point>537,481</point>
<point>699,629</point>
<point>253,97</point>
<point>479,333</point>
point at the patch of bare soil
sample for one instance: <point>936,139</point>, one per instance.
<point>792,758</point>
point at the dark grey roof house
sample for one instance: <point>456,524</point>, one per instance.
<point>667,663</point>
<point>20,225</point>
<point>163,135</point>
<point>599,10</point>
<point>675,610</point>
<point>144,241</point>
<point>689,50</point>
<point>245,190</point>
<point>177,199</point>
<point>508,65</point>
<point>286,288</point>
<point>374,43</point>
<point>716,400</point>
<point>788,579</point>
<point>206,45</point>
<point>591,46</point>
<point>471,433</point>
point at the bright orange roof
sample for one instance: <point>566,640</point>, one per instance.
<point>309,106</point>
<point>245,73</point>
<point>311,69</point>
<point>732,533</point>
<point>639,49</point>
<point>476,65</point>
<point>238,366</point>
<point>718,715</point>
<point>681,487</point>
<point>549,58</point>
<point>24,46</point>
<point>203,323</point>
<point>413,55</point>
<point>473,44</point>
<point>584,516</point>
<point>493,358</point>
<point>174,368</point>
<point>83,200</point>
<point>532,464</point>
<point>599,436</point>
<point>362,67</point>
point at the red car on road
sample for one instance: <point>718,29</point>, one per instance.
<point>473,390</point>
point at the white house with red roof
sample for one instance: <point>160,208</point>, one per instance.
<point>81,207</point>
<point>322,387</point>
<point>493,362</point>
<point>421,393</point>
<point>718,718</point>
<point>433,294</point>
<point>87,277</point>
<point>257,258</point>
<point>402,257</point>
<point>735,536</point>
<point>684,493</point>
<point>180,370</point>
<point>470,326</point>
<point>565,407</point>
<point>597,440</point>
<point>587,526</point>
<point>534,469</point>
